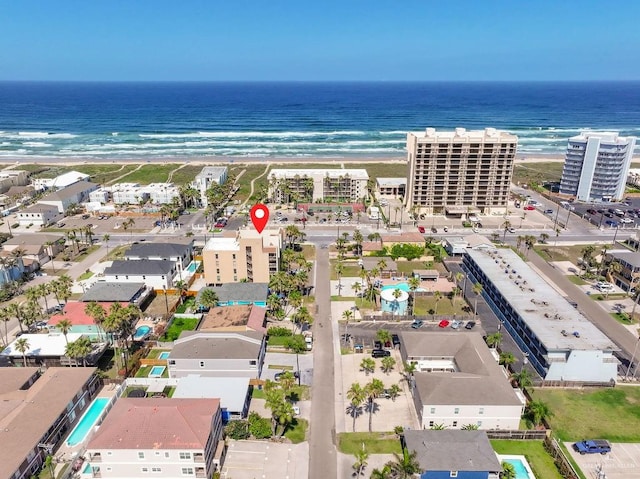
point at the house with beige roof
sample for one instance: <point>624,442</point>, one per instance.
<point>158,437</point>
<point>36,412</point>
<point>459,382</point>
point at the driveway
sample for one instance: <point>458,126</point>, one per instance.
<point>273,360</point>
<point>623,462</point>
<point>266,460</point>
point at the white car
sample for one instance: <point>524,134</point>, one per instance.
<point>626,220</point>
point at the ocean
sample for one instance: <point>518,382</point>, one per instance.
<point>276,120</point>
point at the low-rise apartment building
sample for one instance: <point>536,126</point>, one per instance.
<point>41,215</point>
<point>391,186</point>
<point>75,194</point>
<point>38,409</point>
<point>560,343</point>
<point>309,185</point>
<point>158,437</point>
<point>629,275</point>
<point>158,275</point>
<point>61,181</point>
<point>209,176</point>
<point>10,178</point>
<point>459,172</point>
<point>178,251</point>
<point>458,382</point>
<point>36,247</point>
<point>247,255</point>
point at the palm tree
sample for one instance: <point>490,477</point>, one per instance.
<point>506,226</point>
<point>16,311</point>
<point>384,473</point>
<point>361,461</point>
<point>209,298</point>
<point>508,471</point>
<point>302,316</point>
<point>388,363</point>
<point>82,348</point>
<point>394,391</point>
<point>22,346</point>
<point>405,466</point>
<point>438,427</point>
<point>477,290</point>
<point>347,315</point>
<point>383,335</point>
<point>494,340</point>
<point>97,312</point>
<point>5,317</point>
<point>105,240</point>
<point>543,238</point>
<point>507,359</point>
<point>373,389</point>
<point>523,378</point>
<point>356,396</point>
<point>65,326</point>
<point>182,288</point>
<point>469,427</point>
<point>538,411</point>
<point>339,272</point>
<point>437,295</point>
<point>368,365</point>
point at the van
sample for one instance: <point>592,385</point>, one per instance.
<point>603,286</point>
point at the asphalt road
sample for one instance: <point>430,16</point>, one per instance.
<point>322,449</point>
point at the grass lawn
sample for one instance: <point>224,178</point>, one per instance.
<point>612,414</point>
<point>425,304</point>
<point>350,269</point>
<point>309,252</point>
<point>297,430</point>
<point>623,318</point>
<point>577,280</point>
<point>258,393</point>
<point>144,371</point>
<point>190,302</point>
<point>85,275</point>
<point>374,442</point>
<point>150,174</point>
<point>87,251</point>
<point>407,267</point>
<point>116,253</point>
<point>561,253</point>
<point>154,353</point>
<point>177,326</point>
<point>186,174</point>
<point>100,174</point>
<point>537,172</point>
<point>540,461</point>
<point>604,297</point>
<point>251,172</point>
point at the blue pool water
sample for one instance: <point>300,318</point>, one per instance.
<point>156,371</point>
<point>164,355</point>
<point>87,468</point>
<point>518,465</point>
<point>401,286</point>
<point>193,266</point>
<point>87,422</point>
<point>141,332</point>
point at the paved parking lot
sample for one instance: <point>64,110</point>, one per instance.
<point>623,462</point>
<point>266,460</point>
<point>290,360</point>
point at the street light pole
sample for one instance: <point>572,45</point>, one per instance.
<point>615,236</point>
<point>635,350</point>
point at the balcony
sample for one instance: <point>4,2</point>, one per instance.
<point>97,457</point>
<point>198,458</point>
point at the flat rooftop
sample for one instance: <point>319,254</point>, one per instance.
<point>462,135</point>
<point>319,173</point>
<point>541,307</point>
<point>632,258</point>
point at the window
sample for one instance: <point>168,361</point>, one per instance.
<point>185,455</point>
<point>126,277</point>
<point>109,453</point>
<point>157,453</point>
<point>166,454</point>
<point>479,423</point>
<point>156,469</point>
<point>455,424</point>
<point>144,276</point>
<point>145,469</point>
<point>456,410</point>
<point>481,410</point>
<point>172,362</point>
<point>433,410</point>
<point>141,455</point>
<point>201,364</point>
<point>431,423</point>
<point>253,363</point>
<point>187,471</point>
<point>453,474</point>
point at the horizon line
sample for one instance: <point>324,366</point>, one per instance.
<point>318,81</point>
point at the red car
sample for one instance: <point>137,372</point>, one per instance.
<point>421,229</point>
<point>529,208</point>
<point>220,225</point>
<point>443,324</point>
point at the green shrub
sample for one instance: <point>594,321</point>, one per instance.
<point>238,429</point>
<point>259,427</point>
<point>296,343</point>
<point>279,331</point>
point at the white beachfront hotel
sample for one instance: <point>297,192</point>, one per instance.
<point>561,344</point>
<point>315,185</point>
<point>596,166</point>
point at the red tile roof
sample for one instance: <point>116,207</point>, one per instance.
<point>74,312</point>
<point>256,319</point>
<point>156,423</point>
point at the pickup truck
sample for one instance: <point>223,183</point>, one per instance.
<point>592,446</point>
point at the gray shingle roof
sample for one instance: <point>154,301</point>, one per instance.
<point>214,345</point>
<point>453,450</point>
<point>110,292</point>
<point>71,190</point>
<point>163,250</point>
<point>143,266</point>
<point>242,292</point>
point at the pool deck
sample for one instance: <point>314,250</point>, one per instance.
<point>502,457</point>
<point>442,284</point>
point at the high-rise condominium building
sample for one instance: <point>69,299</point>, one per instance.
<point>459,172</point>
<point>596,166</point>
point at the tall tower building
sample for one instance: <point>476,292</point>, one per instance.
<point>596,166</point>
<point>459,172</point>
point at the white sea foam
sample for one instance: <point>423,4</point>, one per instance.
<point>252,134</point>
<point>41,134</point>
<point>36,144</point>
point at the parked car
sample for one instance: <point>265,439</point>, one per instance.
<point>512,230</point>
<point>395,339</point>
<point>469,325</point>
<point>529,208</point>
<point>380,353</point>
<point>548,211</point>
<point>279,375</point>
<point>611,223</point>
<point>377,345</point>
<point>443,324</point>
<point>421,229</point>
<point>456,324</point>
<point>592,212</point>
<point>417,324</point>
<point>592,446</point>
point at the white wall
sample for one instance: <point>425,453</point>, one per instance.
<point>486,417</point>
<point>588,365</point>
<point>155,282</point>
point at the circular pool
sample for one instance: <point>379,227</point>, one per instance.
<point>394,300</point>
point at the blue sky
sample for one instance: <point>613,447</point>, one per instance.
<point>322,40</point>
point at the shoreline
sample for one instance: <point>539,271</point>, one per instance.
<point>208,160</point>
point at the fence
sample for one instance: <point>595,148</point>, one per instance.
<point>560,459</point>
<point>573,384</point>
<point>527,435</point>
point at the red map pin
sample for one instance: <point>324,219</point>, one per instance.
<point>259,216</point>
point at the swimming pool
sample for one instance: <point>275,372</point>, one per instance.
<point>87,421</point>
<point>193,267</point>
<point>164,355</point>
<point>87,468</point>
<point>401,286</point>
<point>156,371</point>
<point>141,333</point>
<point>522,471</point>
